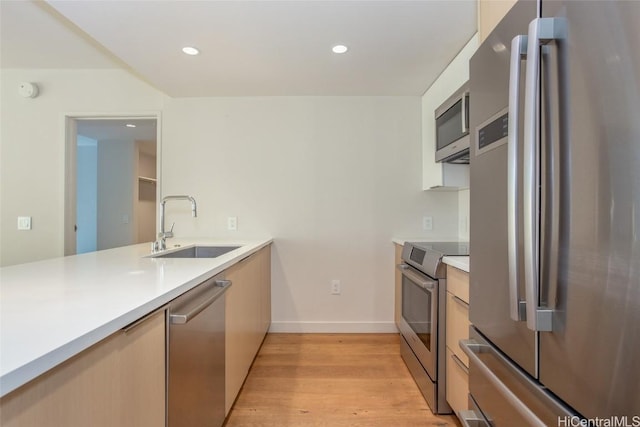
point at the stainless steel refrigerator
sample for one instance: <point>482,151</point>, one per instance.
<point>555,216</point>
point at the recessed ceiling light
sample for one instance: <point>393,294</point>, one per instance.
<point>190,50</point>
<point>130,125</point>
<point>339,48</point>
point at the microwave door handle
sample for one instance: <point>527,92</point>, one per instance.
<point>541,31</point>
<point>465,125</point>
<point>518,53</point>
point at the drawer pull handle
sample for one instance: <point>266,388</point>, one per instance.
<point>460,364</point>
<point>461,301</point>
<point>471,418</point>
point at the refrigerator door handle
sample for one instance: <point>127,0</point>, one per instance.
<point>472,348</point>
<point>517,307</point>
<point>541,31</point>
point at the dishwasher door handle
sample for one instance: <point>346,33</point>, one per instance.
<point>204,301</point>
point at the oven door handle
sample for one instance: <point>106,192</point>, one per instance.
<point>416,278</point>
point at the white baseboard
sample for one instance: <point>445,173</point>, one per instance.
<point>333,327</point>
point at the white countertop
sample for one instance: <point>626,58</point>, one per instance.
<point>51,310</point>
<point>460,262</point>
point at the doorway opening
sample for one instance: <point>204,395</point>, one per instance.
<point>111,184</point>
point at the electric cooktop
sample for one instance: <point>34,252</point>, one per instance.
<point>444,248</point>
<point>427,256</point>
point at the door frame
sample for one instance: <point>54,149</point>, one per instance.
<point>70,168</point>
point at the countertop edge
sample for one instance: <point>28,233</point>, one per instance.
<point>459,262</point>
<point>32,369</point>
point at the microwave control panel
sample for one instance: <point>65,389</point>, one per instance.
<point>493,132</point>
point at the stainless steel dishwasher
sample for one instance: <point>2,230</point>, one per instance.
<point>196,355</point>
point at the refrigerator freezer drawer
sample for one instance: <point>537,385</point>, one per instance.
<point>504,393</point>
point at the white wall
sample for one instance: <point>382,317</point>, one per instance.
<point>332,179</point>
<point>32,148</point>
<point>463,215</point>
<point>116,180</point>
<point>87,195</point>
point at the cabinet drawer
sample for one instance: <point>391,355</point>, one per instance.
<point>457,384</point>
<point>457,325</point>
<point>458,283</point>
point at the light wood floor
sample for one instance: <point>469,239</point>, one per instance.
<point>332,380</point>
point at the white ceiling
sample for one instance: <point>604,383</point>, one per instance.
<point>33,35</point>
<point>255,48</point>
<point>117,130</point>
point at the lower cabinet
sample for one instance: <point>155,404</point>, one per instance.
<point>457,308</point>
<point>457,383</point>
<point>119,381</point>
<point>248,317</point>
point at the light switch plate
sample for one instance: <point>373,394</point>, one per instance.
<point>232,223</point>
<point>427,223</point>
<point>24,223</point>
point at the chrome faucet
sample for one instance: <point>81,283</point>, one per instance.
<point>161,243</point>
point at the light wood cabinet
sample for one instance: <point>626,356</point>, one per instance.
<point>247,318</point>
<point>397,312</point>
<point>457,383</point>
<point>490,13</point>
<point>119,381</point>
<point>457,326</point>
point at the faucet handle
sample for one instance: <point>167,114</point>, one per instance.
<point>170,232</point>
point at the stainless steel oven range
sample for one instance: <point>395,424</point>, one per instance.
<point>422,324</point>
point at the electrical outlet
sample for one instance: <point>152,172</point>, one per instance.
<point>232,223</point>
<point>335,287</point>
<point>427,223</point>
<point>24,223</point>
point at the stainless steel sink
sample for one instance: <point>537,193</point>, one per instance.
<point>198,252</point>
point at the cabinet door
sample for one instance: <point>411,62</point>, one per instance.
<point>457,384</point>
<point>142,370</point>
<point>457,315</point>
<point>458,283</point>
<point>119,381</point>
<point>457,325</point>
<point>265,289</point>
<point>248,316</point>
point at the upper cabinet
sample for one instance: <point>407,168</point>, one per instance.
<point>439,175</point>
<point>490,12</point>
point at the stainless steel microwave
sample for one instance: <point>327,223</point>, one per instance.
<point>452,128</point>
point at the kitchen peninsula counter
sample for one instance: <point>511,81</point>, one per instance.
<point>52,310</point>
